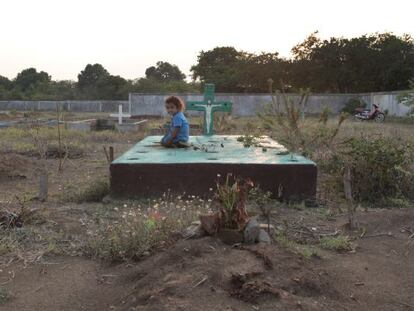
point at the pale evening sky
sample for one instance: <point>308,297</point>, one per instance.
<point>127,36</point>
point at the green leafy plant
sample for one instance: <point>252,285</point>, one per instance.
<point>230,199</point>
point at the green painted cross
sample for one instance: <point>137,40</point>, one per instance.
<point>209,106</point>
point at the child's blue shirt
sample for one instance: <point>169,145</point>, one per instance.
<point>179,121</point>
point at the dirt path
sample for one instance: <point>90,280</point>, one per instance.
<point>380,274</point>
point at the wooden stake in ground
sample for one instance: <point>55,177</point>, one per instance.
<point>347,178</point>
<point>59,138</point>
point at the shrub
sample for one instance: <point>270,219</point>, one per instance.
<point>380,167</point>
<point>285,119</point>
<point>352,104</point>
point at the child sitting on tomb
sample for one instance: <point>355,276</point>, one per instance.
<point>178,132</point>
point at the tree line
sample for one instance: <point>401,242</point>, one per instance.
<point>369,63</point>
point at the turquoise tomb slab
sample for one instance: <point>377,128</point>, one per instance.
<point>149,169</point>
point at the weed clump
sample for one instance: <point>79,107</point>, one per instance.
<point>339,243</point>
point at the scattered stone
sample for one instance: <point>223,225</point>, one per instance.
<point>264,237</point>
<point>251,231</point>
<point>194,231</point>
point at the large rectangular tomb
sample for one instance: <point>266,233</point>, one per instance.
<point>148,169</point>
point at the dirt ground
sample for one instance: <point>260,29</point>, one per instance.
<point>376,273</point>
<point>205,274</point>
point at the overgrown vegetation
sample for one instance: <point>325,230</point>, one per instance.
<point>381,168</point>
<point>144,227</point>
<point>284,119</point>
<point>231,198</point>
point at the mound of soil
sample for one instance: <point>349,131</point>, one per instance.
<point>206,274</point>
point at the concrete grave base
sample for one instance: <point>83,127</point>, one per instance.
<point>149,169</point>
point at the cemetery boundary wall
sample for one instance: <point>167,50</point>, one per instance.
<point>244,105</point>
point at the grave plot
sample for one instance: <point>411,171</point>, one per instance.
<point>150,169</point>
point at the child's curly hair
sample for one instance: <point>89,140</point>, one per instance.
<point>176,101</point>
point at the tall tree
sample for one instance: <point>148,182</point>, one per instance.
<point>164,72</point>
<point>91,76</point>
<point>378,62</point>
<point>30,78</point>
<point>5,82</point>
<point>220,66</point>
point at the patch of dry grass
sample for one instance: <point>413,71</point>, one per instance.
<point>139,227</point>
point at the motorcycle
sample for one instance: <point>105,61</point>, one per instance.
<point>366,115</point>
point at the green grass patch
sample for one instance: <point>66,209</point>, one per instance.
<point>299,249</point>
<point>338,243</point>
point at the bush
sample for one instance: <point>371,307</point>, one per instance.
<point>380,168</point>
<point>352,104</point>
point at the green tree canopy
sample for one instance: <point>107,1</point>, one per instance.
<point>5,82</point>
<point>370,63</point>
<point>220,66</point>
<point>165,72</point>
<point>238,71</point>
<point>30,78</point>
<point>91,76</point>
